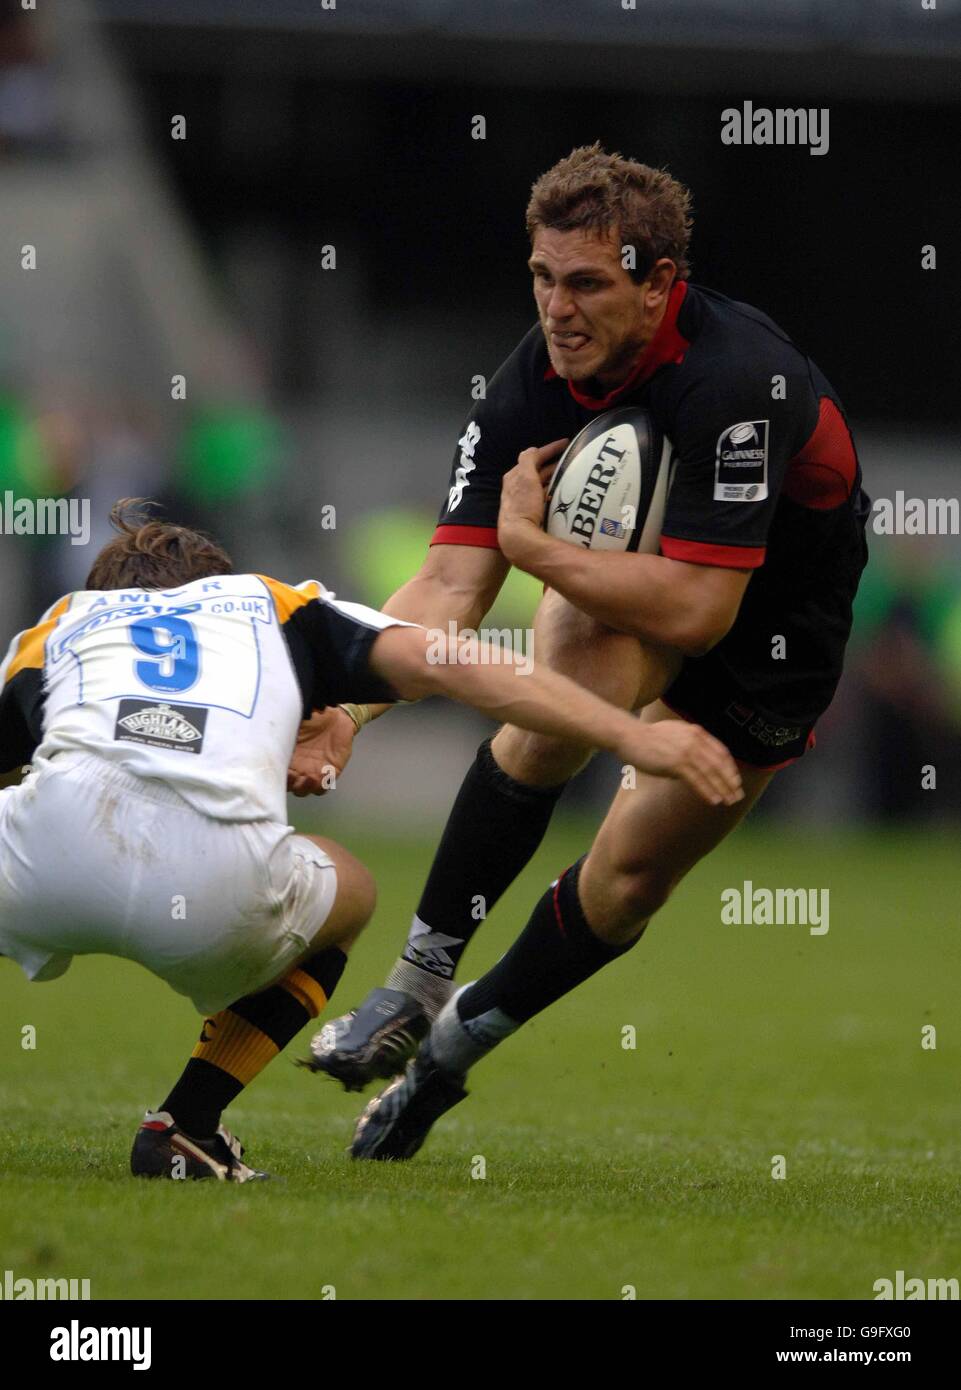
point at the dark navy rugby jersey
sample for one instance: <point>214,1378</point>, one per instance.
<point>766,478</point>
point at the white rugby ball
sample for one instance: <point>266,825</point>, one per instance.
<point>610,486</point>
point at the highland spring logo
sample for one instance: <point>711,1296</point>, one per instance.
<point>161,725</point>
<point>46,516</point>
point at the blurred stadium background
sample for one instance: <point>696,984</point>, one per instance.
<point>311,386</point>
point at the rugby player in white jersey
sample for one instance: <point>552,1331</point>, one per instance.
<point>158,710</point>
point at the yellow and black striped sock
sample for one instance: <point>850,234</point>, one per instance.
<point>236,1044</point>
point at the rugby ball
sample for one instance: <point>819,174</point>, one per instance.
<point>610,486</point>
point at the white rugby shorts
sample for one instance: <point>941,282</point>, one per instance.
<point>94,859</point>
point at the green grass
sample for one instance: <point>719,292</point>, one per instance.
<point>604,1166</point>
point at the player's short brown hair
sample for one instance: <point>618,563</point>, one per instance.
<point>151,554</point>
<point>596,191</point>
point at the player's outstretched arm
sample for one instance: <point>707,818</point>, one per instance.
<point>538,699</point>
<point>456,583</point>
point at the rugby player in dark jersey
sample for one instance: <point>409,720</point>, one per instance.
<point>739,623</point>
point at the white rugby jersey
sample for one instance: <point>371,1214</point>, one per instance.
<point>203,686</point>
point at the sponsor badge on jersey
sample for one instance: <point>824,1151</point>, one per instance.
<point>160,725</point>
<point>740,468</point>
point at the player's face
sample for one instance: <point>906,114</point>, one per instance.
<point>595,319</point>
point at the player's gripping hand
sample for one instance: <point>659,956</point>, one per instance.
<point>325,742</point>
<point>523,492</point>
<point>673,748</point>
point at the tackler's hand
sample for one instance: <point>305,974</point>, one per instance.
<point>324,744</point>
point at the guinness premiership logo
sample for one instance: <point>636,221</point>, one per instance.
<point>740,466</point>
<point>161,726</point>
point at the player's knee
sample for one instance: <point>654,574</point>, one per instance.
<point>535,759</point>
<point>643,892</point>
<point>363,898</point>
<point>635,895</point>
<point>355,902</point>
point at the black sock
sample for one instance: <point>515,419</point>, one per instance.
<point>493,830</point>
<point>555,952</point>
<point>236,1044</point>
<point>202,1093</point>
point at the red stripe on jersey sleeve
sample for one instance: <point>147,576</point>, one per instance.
<point>733,557</point>
<point>466,535</point>
<point>822,475</point>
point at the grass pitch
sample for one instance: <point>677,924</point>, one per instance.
<point>605,1166</point>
